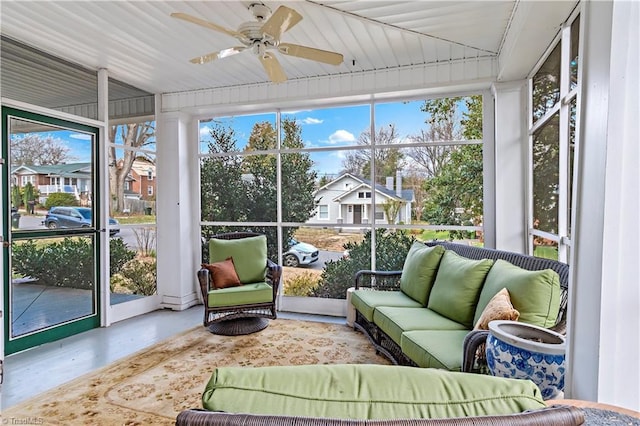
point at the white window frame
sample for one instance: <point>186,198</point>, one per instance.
<point>320,212</point>
<point>563,108</point>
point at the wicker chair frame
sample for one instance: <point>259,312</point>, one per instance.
<point>557,415</point>
<point>390,280</point>
<point>256,310</point>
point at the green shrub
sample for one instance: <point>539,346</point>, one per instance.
<point>137,276</point>
<point>60,199</point>
<point>301,285</point>
<point>65,263</point>
<point>16,196</point>
<point>119,254</point>
<point>391,250</point>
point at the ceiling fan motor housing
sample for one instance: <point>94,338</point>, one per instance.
<point>253,32</point>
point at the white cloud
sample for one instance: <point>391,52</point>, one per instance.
<point>204,130</point>
<point>341,136</point>
<point>311,120</point>
<point>81,136</point>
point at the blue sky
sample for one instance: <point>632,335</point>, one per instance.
<point>331,127</point>
<point>321,128</point>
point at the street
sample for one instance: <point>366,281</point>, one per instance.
<point>127,234</point>
<point>32,222</point>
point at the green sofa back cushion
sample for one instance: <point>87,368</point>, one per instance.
<point>366,391</point>
<point>249,256</point>
<point>535,294</point>
<point>419,271</point>
<point>457,287</point>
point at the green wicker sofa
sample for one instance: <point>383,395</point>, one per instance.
<point>369,395</point>
<point>424,315</point>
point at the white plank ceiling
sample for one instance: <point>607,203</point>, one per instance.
<point>142,45</point>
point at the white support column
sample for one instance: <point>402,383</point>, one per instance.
<point>103,191</point>
<point>604,319</point>
<point>619,328</point>
<point>510,165</point>
<point>178,210</point>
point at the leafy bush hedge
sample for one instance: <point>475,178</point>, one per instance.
<point>60,199</point>
<point>120,254</point>
<point>301,285</point>
<point>137,276</point>
<point>391,250</point>
<point>65,263</point>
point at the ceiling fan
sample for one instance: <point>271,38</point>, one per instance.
<point>262,37</point>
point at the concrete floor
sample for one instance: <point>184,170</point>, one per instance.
<point>31,372</point>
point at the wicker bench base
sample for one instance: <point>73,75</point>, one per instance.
<point>239,326</point>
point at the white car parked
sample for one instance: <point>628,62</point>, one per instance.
<point>300,254</point>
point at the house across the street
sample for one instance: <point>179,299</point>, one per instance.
<point>347,200</point>
<point>72,178</point>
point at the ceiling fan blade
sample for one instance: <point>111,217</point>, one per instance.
<point>280,21</point>
<point>217,55</point>
<point>207,24</point>
<point>272,67</point>
<point>312,53</point>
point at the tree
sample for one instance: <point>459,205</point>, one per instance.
<point>413,179</point>
<point>16,196</point>
<point>387,160</point>
<point>391,209</point>
<point>244,188</point>
<point>133,135</point>
<point>28,197</point>
<point>221,177</point>
<point>324,180</point>
<point>38,150</point>
<point>429,156</point>
<point>546,178</point>
<point>455,194</point>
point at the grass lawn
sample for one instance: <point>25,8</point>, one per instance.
<point>135,219</point>
<point>429,234</point>
<point>547,252</point>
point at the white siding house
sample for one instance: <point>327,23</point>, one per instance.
<point>347,200</point>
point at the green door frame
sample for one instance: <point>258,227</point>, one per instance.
<point>54,332</point>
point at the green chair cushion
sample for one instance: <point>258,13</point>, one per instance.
<point>457,287</point>
<point>365,301</point>
<point>366,391</point>
<point>244,295</point>
<point>394,321</point>
<point>419,271</point>
<point>434,348</point>
<point>249,256</point>
<point>535,294</point>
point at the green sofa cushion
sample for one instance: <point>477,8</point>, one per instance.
<point>394,321</point>
<point>365,301</point>
<point>365,391</point>
<point>419,271</point>
<point>535,294</point>
<point>434,348</point>
<point>457,287</point>
<point>249,256</point>
<point>244,295</point>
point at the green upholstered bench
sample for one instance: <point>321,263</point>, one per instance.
<point>366,393</point>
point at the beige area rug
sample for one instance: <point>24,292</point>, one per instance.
<point>152,386</point>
